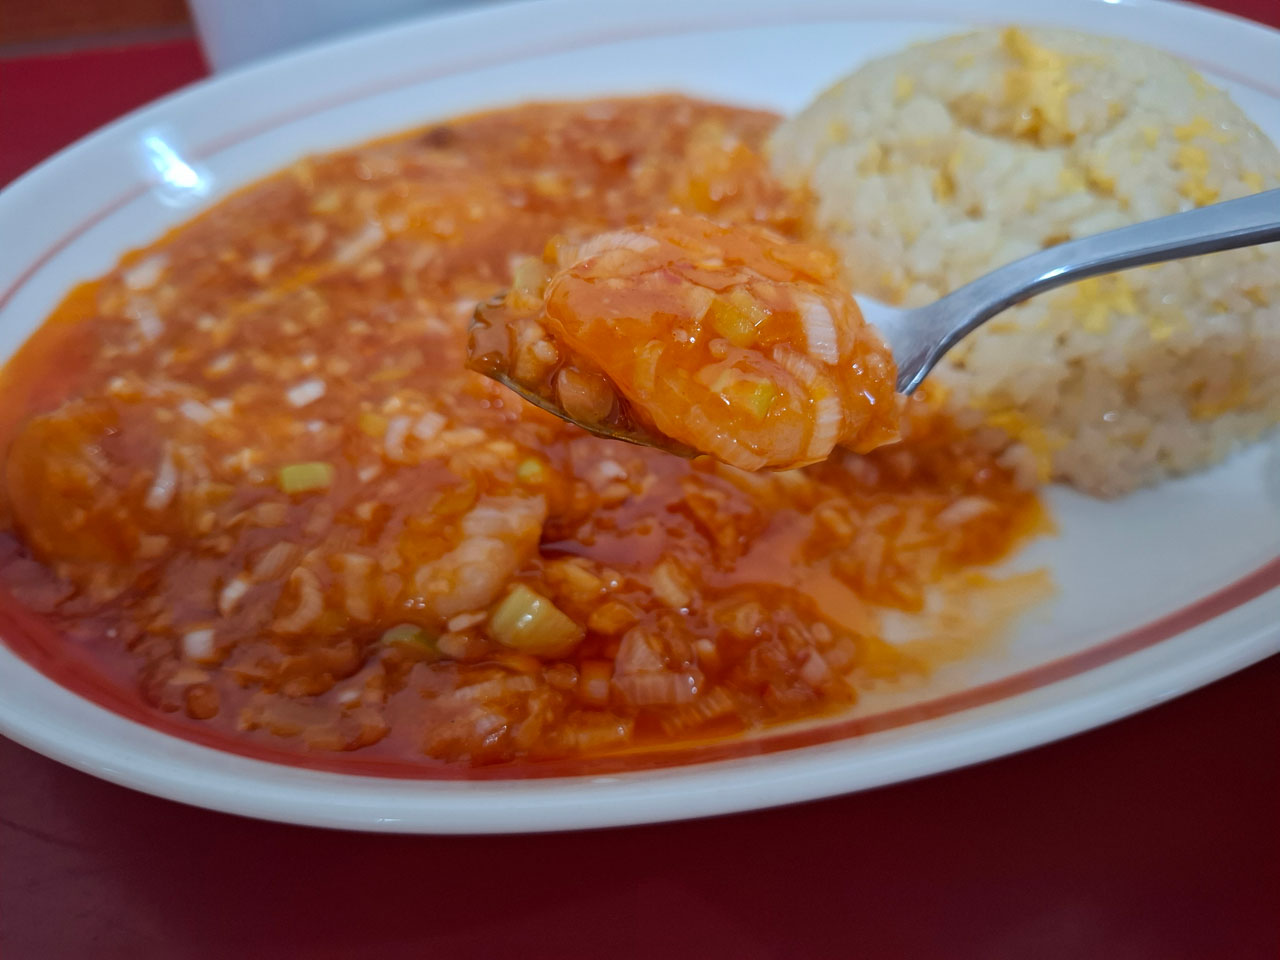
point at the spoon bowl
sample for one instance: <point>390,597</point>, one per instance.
<point>918,338</point>
<point>609,431</point>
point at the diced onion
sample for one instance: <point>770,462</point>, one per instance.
<point>638,653</point>
<point>365,242</point>
<point>165,485</point>
<point>815,670</point>
<point>274,562</point>
<point>671,585</point>
<point>465,620</point>
<point>356,571</point>
<point>220,364</point>
<point>306,392</point>
<point>397,433</point>
<point>595,679</point>
<point>964,510</point>
<point>819,330</point>
<point>198,644</point>
<point>617,240</point>
<point>828,419</point>
<point>719,444</point>
<point>145,274</point>
<point>149,323</point>
<point>310,603</point>
<point>231,594</point>
<point>196,411</point>
<point>828,414</point>
<point>657,688</point>
<point>428,426</point>
<point>609,470</point>
<point>646,369</point>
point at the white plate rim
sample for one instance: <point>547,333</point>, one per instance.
<point>46,717</point>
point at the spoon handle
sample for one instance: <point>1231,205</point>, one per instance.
<point>1221,226</point>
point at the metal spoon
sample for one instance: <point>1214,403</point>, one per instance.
<point>918,338</point>
<point>610,431</point>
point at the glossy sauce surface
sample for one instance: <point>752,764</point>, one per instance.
<point>729,340</point>
<point>250,485</point>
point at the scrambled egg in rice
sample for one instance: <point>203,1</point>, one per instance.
<point>943,162</point>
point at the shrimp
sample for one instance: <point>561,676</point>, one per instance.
<point>733,341</point>
<point>64,484</point>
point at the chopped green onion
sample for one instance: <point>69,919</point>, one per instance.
<point>530,275</point>
<point>761,398</point>
<point>744,391</point>
<point>408,633</point>
<point>527,283</point>
<point>527,621</point>
<point>305,477</point>
<point>737,316</point>
<point>531,470</point>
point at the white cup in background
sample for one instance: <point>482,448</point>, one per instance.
<point>233,32</point>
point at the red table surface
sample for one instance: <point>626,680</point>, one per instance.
<point>1155,837</point>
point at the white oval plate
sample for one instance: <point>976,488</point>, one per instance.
<point>1158,593</point>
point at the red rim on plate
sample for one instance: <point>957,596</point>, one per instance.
<point>27,635</point>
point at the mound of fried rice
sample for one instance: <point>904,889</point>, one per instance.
<point>935,165</point>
